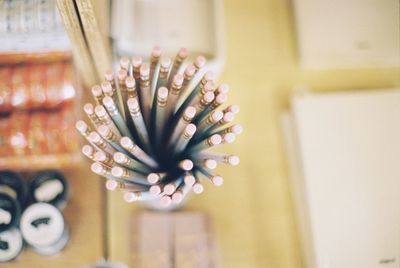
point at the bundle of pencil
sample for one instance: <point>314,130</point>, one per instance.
<point>152,124</point>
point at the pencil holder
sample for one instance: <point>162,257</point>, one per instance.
<point>151,126</point>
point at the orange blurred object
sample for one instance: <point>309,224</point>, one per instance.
<point>37,115</point>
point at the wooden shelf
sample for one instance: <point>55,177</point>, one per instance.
<point>38,162</point>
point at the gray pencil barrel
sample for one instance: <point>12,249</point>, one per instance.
<point>88,108</point>
<point>174,92</point>
<point>160,106</point>
<point>132,196</point>
<point>145,93</point>
<point>131,163</point>
<point>116,116</point>
<point>171,187</point>
<point>154,59</point>
<point>188,75</point>
<point>100,143</point>
<point>138,121</point>
<point>181,192</point>
<point>136,64</point>
<point>187,117</point>
<point>184,139</point>
<point>111,138</point>
<point>179,58</point>
<point>209,121</point>
<point>132,187</point>
<point>103,171</point>
<point>105,119</point>
<point>162,80</point>
<point>129,175</point>
<point>219,157</point>
<point>122,93</point>
<point>137,152</point>
<point>214,140</point>
<point>197,92</point>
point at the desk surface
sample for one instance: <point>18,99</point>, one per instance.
<point>252,213</point>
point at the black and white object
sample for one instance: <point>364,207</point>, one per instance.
<point>49,186</point>
<point>11,245</point>
<point>44,229</point>
<point>10,212</point>
<point>12,184</point>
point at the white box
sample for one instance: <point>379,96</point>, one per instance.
<point>348,33</point>
<point>139,25</point>
<point>344,152</point>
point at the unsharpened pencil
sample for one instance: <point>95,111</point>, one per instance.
<point>152,124</point>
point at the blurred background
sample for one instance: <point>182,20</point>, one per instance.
<point>318,83</point>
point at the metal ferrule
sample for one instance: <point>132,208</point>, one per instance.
<point>108,161</point>
<point>125,173</point>
<point>106,120</point>
<point>161,102</point>
<point>186,135</point>
<point>221,122</point>
<point>105,171</point>
<point>85,133</point>
<point>102,144</point>
<point>135,112</point>
<point>208,142</point>
<point>93,117</point>
<point>203,103</point>
<point>144,82</point>
<point>215,104</point>
<point>132,93</point>
<point>164,72</point>
<point>175,89</point>
<point>111,137</point>
<point>136,72</point>
<point>112,110</point>
<point>209,120</point>
<point>186,119</point>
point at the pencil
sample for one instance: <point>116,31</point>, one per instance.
<point>220,157</point>
<point>187,117</point>
<point>159,110</point>
<point>145,93</point>
<point>88,151</point>
<point>88,108</point>
<point>116,116</point>
<point>136,64</point>
<point>97,93</point>
<point>152,126</point>
<point>212,141</point>
<point>138,121</point>
<point>130,163</point>
<point>105,119</point>
<point>153,178</point>
<point>162,79</point>
<point>184,139</point>
<point>100,143</point>
<point>129,175</point>
<point>154,59</point>
<point>179,59</point>
<point>137,152</point>
<point>103,158</point>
